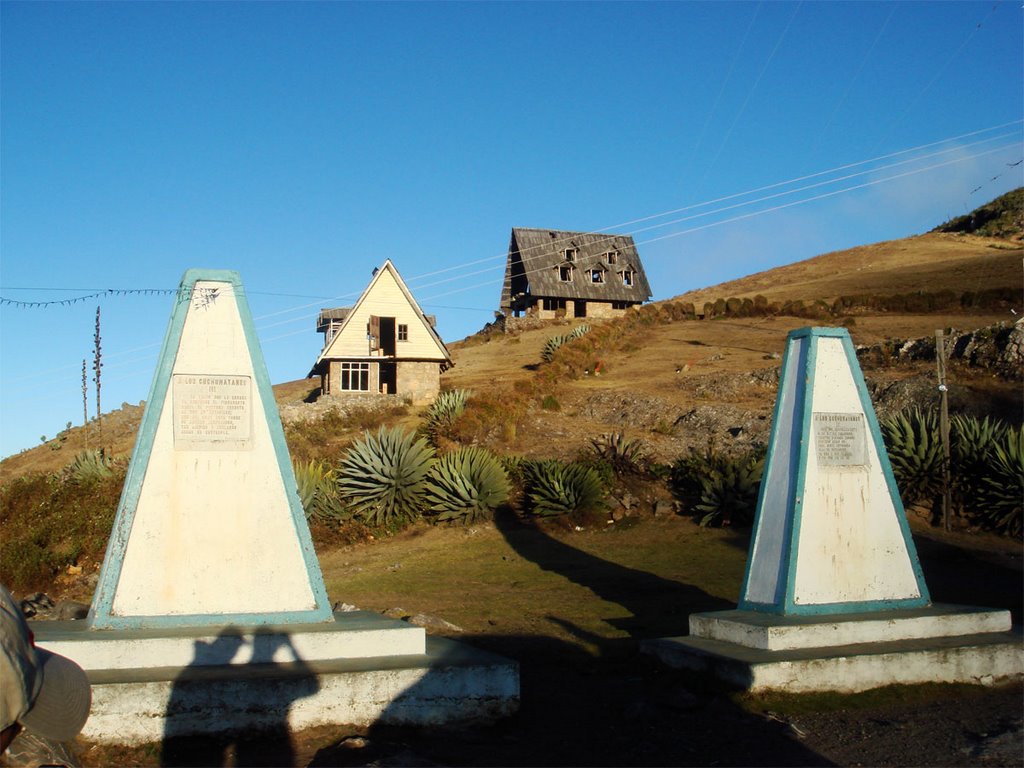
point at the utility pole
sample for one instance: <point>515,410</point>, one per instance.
<point>940,365</point>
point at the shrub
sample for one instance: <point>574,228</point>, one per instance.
<point>492,416</point>
<point>325,437</point>
<point>52,521</point>
<point>556,488</point>
<point>550,403</point>
<point>383,477</point>
<point>466,486</point>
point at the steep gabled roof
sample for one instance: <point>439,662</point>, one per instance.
<point>348,313</point>
<point>536,258</point>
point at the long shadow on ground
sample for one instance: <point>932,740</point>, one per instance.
<point>578,710</point>
<point>659,607</point>
<point>614,707</point>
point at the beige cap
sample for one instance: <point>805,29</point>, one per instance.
<point>45,692</point>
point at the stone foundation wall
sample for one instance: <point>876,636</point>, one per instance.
<point>419,381</point>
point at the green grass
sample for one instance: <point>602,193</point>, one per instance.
<point>592,587</point>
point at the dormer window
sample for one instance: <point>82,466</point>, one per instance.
<point>613,257</point>
<point>627,278</point>
<point>597,275</point>
<point>571,253</point>
<point>565,273</point>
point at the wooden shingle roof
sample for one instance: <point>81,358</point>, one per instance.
<point>536,258</point>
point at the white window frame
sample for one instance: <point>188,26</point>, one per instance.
<point>358,373</point>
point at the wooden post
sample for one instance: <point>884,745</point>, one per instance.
<point>940,363</point>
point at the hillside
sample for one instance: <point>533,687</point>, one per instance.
<point>681,383</point>
<point>571,602</point>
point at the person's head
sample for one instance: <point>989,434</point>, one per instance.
<point>40,691</point>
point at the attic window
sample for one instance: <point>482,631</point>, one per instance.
<point>613,257</point>
<point>627,278</point>
<point>571,253</point>
<point>565,273</point>
<point>597,275</point>
<point>403,332</point>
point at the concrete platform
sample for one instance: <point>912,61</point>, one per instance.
<point>776,633</point>
<point>352,635</point>
<point>265,678</point>
<point>986,658</point>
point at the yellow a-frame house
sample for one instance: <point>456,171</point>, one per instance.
<point>383,344</point>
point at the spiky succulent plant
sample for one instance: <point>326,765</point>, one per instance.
<point>318,490</point>
<point>443,412</point>
<point>556,488</point>
<point>466,485</point>
<point>382,478</point>
<point>973,446</point>
<point>90,465</point>
<point>729,491</point>
<point>551,346</point>
<point>1001,491</point>
<point>624,455</point>
<point>915,452</point>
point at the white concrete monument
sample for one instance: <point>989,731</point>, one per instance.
<point>210,529</point>
<point>834,597</point>
<point>211,613</point>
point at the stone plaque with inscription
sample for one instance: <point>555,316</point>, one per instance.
<point>212,412</point>
<point>840,439</point>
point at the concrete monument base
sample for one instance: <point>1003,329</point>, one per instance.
<point>757,651</point>
<point>363,668</point>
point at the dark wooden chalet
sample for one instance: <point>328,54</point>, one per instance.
<point>550,273</point>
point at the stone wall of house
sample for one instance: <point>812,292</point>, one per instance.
<point>603,309</point>
<point>419,381</point>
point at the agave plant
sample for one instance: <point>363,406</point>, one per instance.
<point>90,465</point>
<point>722,488</point>
<point>443,412</point>
<point>729,492</point>
<point>382,479</point>
<point>552,345</point>
<point>915,452</point>
<point>624,455</point>
<point>1001,491</point>
<point>466,485</point>
<point>973,447</point>
<point>555,488</point>
<point>318,490</point>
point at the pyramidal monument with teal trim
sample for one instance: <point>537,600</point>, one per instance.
<point>210,616</point>
<point>830,534</point>
<point>834,596</point>
<point>209,528</point>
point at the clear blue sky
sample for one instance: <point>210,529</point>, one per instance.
<point>304,143</point>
